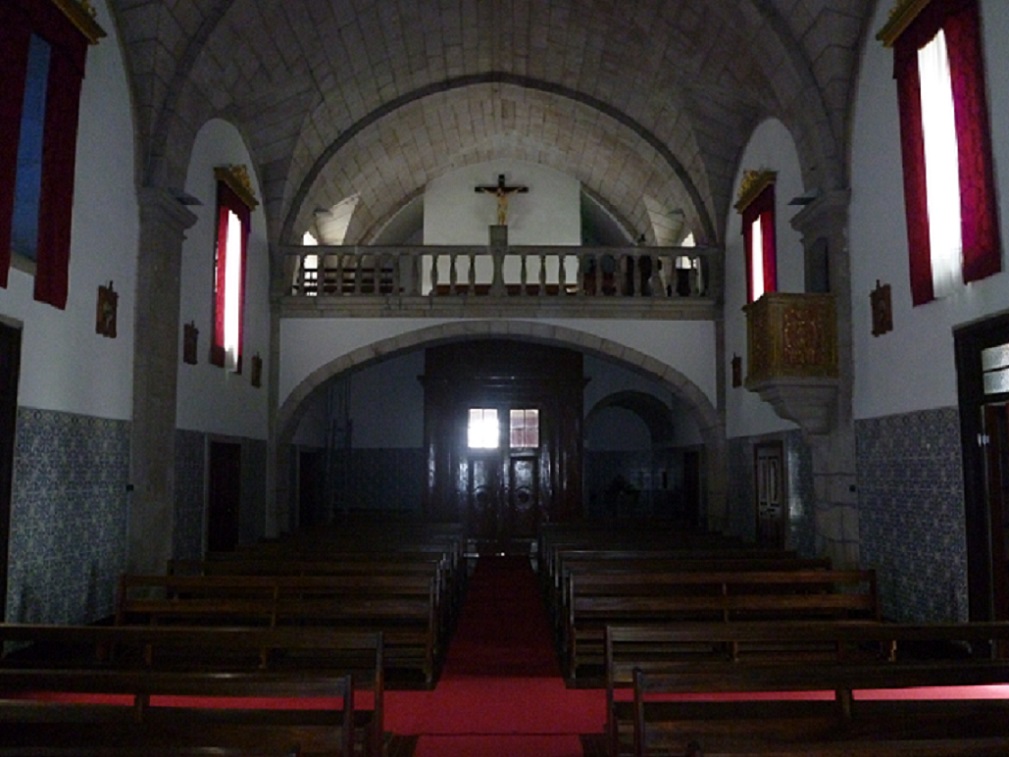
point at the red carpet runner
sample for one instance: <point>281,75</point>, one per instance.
<point>501,693</point>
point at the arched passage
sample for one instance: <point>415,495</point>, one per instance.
<point>643,458</point>
<point>694,402</point>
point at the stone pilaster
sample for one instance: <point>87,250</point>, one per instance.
<point>825,221</point>
<point>163,223</point>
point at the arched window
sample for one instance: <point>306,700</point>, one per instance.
<point>756,205</point>
<point>235,202</point>
<point>949,189</point>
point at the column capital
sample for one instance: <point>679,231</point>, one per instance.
<point>159,205</point>
<point>824,216</point>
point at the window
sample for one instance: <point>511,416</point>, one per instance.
<point>949,195</point>
<point>483,428</point>
<point>524,429</point>
<point>235,202</point>
<point>756,205</point>
<point>43,46</point>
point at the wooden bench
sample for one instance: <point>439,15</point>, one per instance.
<point>448,586</point>
<point>292,651</point>
<point>629,559</point>
<point>402,608</point>
<point>617,599</point>
<point>162,710</point>
<point>831,658</point>
<point>574,569</point>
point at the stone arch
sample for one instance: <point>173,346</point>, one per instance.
<point>700,408</point>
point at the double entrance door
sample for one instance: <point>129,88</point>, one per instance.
<point>502,427</point>
<point>500,468</point>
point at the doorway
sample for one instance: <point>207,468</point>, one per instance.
<point>224,495</point>
<point>769,468</point>
<point>502,436</point>
<point>10,370</point>
<point>502,473</point>
<point>982,358</point>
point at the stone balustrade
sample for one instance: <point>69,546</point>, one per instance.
<point>503,274</point>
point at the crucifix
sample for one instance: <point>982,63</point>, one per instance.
<point>502,192</point>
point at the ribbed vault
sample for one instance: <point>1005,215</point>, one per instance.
<point>376,97</point>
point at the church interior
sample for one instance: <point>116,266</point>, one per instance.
<point>514,277</point>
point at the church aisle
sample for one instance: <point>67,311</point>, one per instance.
<point>501,692</point>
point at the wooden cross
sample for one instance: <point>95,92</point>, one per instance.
<point>501,192</point>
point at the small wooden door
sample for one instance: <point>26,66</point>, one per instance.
<point>10,370</point>
<point>310,487</point>
<point>770,494</point>
<point>224,495</point>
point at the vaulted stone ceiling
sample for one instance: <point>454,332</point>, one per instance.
<point>377,97</point>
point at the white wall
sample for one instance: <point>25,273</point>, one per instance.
<point>307,344</point>
<point>387,404</point>
<point>548,214</point>
<point>210,398</point>
<point>770,147</point>
<point>912,367</point>
<point>65,365</point>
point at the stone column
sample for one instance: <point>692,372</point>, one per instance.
<point>825,221</point>
<point>163,223</point>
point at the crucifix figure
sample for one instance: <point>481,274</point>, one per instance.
<point>502,192</point>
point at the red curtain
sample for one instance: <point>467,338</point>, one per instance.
<point>982,255</point>
<point>228,200</point>
<point>762,207</point>
<point>59,155</point>
<point>18,21</point>
<point>15,33</point>
<point>912,147</point>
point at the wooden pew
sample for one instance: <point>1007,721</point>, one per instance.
<point>448,588</point>
<point>821,656</point>
<point>159,712</point>
<point>625,559</point>
<point>616,599</point>
<point>403,608</point>
<point>290,651</point>
<point>574,568</point>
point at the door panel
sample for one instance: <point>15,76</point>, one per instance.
<point>770,466</point>
<point>996,452</point>
<point>10,369</point>
<point>224,496</point>
<point>484,495</point>
<point>524,513</point>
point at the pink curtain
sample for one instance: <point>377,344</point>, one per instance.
<point>228,200</point>
<point>761,207</point>
<point>960,22</point>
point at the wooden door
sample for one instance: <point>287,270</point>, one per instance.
<point>529,471</point>
<point>224,494</point>
<point>982,364</point>
<point>769,461</point>
<point>995,443</point>
<point>310,488</point>
<point>502,482</point>
<point>10,369</point>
